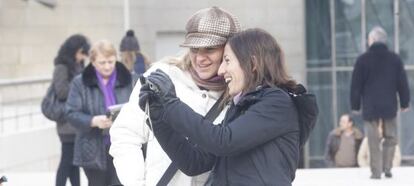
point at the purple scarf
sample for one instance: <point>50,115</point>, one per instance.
<point>108,89</point>
<point>108,92</point>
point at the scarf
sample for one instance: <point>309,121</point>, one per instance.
<point>108,89</point>
<point>216,83</point>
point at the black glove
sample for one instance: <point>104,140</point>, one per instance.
<point>164,88</point>
<point>148,95</point>
<point>158,90</point>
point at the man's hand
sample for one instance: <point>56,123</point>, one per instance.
<point>405,109</point>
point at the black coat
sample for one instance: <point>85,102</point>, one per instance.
<point>85,101</point>
<point>256,144</point>
<point>377,78</point>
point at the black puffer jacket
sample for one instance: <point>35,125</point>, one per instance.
<point>85,101</point>
<point>257,143</point>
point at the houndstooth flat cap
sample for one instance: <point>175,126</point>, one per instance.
<point>210,27</point>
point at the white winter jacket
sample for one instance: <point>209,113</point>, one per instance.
<point>129,132</point>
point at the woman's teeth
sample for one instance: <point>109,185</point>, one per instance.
<point>227,80</point>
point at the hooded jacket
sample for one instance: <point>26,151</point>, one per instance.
<point>256,144</point>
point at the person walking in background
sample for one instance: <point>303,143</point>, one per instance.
<point>198,85</point>
<point>131,55</point>
<point>103,83</point>
<point>363,153</point>
<point>343,143</point>
<point>258,141</point>
<point>68,63</point>
<point>377,79</point>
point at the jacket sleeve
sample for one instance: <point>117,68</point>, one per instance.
<point>328,151</point>
<point>61,82</point>
<point>357,84</point>
<point>403,88</point>
<point>74,104</point>
<point>128,134</point>
<point>189,158</point>
<point>272,116</point>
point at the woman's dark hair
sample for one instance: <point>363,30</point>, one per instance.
<point>261,59</point>
<point>67,51</point>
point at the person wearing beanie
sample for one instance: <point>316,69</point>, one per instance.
<point>131,55</point>
<point>198,85</point>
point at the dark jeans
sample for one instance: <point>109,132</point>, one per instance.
<point>66,169</point>
<point>106,177</point>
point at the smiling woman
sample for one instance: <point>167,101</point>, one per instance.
<point>198,85</point>
<point>257,143</point>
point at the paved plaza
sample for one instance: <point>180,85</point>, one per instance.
<point>403,176</point>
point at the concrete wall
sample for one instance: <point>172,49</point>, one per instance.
<point>31,150</point>
<point>30,33</point>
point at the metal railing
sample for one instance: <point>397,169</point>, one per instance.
<point>20,104</point>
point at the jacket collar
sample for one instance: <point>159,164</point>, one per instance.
<point>253,96</point>
<point>378,46</point>
<point>123,75</point>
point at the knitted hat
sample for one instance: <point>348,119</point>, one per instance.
<point>129,42</point>
<point>210,27</point>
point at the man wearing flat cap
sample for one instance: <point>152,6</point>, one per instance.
<point>196,83</point>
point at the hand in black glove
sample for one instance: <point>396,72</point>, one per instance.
<point>158,91</point>
<point>147,95</point>
<point>165,90</point>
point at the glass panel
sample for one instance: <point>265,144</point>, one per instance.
<point>380,13</point>
<point>343,97</point>
<point>318,33</point>
<point>406,31</point>
<point>348,31</point>
<point>320,84</point>
<point>407,120</point>
<point>407,55</point>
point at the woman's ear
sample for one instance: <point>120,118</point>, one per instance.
<point>254,63</point>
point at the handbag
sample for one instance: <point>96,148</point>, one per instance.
<point>51,107</point>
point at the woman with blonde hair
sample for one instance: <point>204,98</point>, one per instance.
<point>103,83</point>
<point>198,85</point>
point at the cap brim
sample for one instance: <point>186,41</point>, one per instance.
<point>198,40</point>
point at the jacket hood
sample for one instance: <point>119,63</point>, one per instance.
<point>123,77</point>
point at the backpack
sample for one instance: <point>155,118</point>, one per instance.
<point>53,108</point>
<point>308,111</point>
